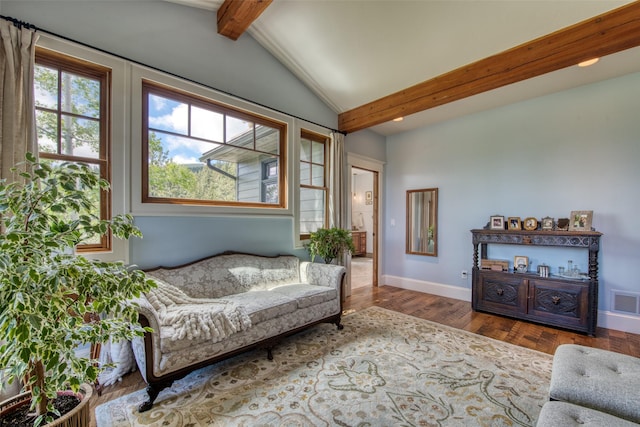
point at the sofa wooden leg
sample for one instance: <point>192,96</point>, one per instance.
<point>270,353</point>
<point>153,390</point>
<point>338,324</point>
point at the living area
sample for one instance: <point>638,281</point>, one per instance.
<point>548,155</point>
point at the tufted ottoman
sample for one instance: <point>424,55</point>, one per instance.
<point>598,379</point>
<point>562,414</point>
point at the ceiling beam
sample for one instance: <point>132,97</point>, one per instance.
<point>235,16</point>
<point>599,36</point>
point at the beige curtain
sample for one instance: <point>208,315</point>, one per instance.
<point>337,182</point>
<point>17,115</point>
<point>337,192</point>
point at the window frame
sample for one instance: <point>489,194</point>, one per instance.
<point>65,63</point>
<point>149,87</point>
<point>325,140</point>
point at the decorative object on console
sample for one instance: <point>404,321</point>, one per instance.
<point>547,223</point>
<point>520,263</point>
<point>530,223</point>
<point>495,265</point>
<point>562,224</point>
<point>496,222</point>
<point>514,223</point>
<point>580,220</point>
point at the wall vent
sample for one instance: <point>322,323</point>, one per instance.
<point>625,302</point>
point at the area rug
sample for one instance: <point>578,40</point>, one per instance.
<point>383,369</point>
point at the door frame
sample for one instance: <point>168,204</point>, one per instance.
<point>377,168</point>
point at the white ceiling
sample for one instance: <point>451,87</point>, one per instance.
<point>351,52</point>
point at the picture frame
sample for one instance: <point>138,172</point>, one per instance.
<point>518,260</point>
<point>530,223</point>
<point>547,223</point>
<point>580,220</point>
<point>368,198</point>
<point>496,222</point>
<point>514,223</point>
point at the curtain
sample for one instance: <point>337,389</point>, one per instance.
<point>337,201</point>
<point>17,114</point>
<point>337,173</point>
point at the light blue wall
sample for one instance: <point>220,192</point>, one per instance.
<point>366,143</point>
<point>575,150</point>
<point>179,240</point>
<point>183,41</point>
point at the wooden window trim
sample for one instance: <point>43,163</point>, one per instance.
<point>315,137</point>
<point>65,63</point>
<point>179,95</point>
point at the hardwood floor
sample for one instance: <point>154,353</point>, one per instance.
<point>451,312</point>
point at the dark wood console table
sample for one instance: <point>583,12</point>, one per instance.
<point>570,303</point>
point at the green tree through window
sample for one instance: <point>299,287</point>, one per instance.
<point>71,98</point>
<point>200,152</point>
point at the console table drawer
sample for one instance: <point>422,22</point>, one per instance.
<point>499,293</point>
<point>562,303</point>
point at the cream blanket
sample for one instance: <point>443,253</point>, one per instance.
<point>196,318</point>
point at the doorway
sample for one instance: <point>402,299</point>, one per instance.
<point>364,223</point>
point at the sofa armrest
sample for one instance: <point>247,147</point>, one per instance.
<point>145,309</point>
<point>329,275</point>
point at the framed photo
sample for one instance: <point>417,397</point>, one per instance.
<point>496,222</point>
<point>514,223</point>
<point>547,223</point>
<point>580,220</point>
<point>530,223</point>
<point>368,198</point>
<point>520,263</point>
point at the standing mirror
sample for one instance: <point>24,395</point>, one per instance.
<point>422,222</point>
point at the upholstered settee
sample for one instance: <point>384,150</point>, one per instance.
<point>220,306</point>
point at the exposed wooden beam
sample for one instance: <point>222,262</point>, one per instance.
<point>235,16</point>
<point>602,35</point>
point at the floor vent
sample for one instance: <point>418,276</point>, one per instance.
<point>625,302</point>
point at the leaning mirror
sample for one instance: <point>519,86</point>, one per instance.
<point>422,222</point>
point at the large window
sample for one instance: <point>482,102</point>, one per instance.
<point>313,183</point>
<point>196,151</point>
<point>72,105</point>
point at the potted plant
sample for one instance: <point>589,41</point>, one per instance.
<point>330,243</point>
<point>53,300</point>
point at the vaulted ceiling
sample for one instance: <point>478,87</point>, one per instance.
<point>426,61</point>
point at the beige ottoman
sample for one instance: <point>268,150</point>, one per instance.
<point>562,414</point>
<point>598,379</point>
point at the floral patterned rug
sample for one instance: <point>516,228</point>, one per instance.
<point>383,369</point>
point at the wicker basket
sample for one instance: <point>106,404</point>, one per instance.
<point>78,417</point>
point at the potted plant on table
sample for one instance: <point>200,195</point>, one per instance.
<point>53,300</point>
<point>330,244</point>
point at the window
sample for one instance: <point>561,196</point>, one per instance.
<point>72,120</point>
<point>270,181</point>
<point>313,183</point>
<point>199,152</point>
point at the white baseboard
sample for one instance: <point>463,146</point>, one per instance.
<point>428,287</point>
<point>606,319</point>
<point>619,321</point>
